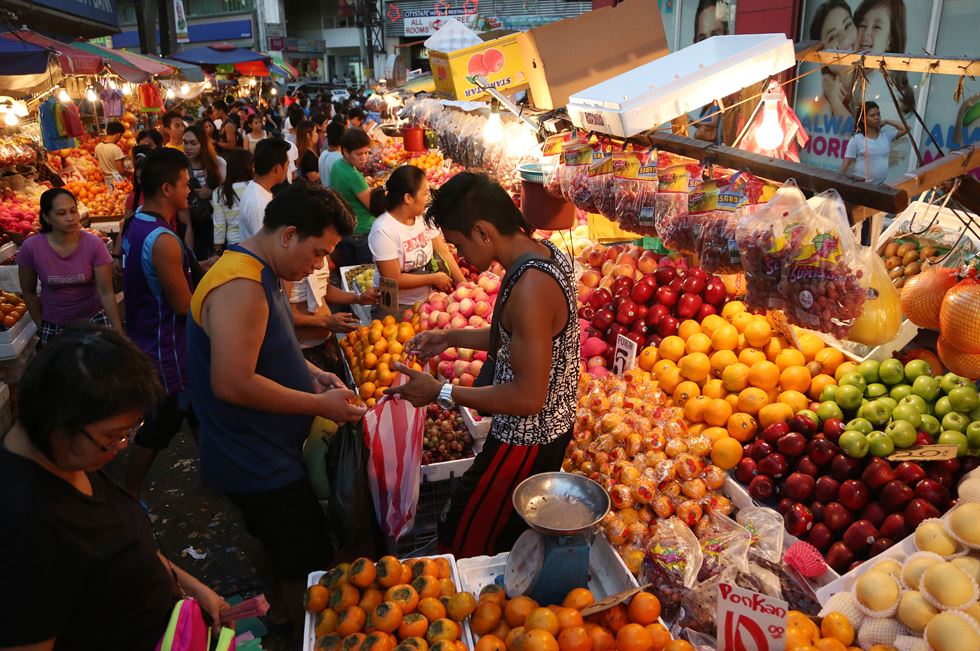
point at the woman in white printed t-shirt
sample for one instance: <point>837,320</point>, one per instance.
<point>402,243</point>
<point>868,148</point>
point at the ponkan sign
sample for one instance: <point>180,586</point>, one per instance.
<point>750,621</point>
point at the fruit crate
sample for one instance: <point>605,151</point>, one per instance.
<point>444,470</point>
<point>12,349</point>
<point>9,335</point>
<point>362,312</point>
<point>607,573</point>
<point>433,497</point>
<point>309,639</point>
<point>858,353</point>
<point>479,426</point>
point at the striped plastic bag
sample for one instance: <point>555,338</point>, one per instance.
<point>393,436</point>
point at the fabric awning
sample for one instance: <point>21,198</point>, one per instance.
<point>22,58</point>
<point>212,55</point>
<point>187,71</point>
<point>73,61</point>
<point>118,64</point>
<point>279,62</point>
<point>153,66</point>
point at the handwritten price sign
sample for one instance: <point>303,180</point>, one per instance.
<point>750,621</point>
<point>388,294</point>
<point>938,452</point>
<point>625,355</point>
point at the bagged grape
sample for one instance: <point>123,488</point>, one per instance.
<point>715,230</point>
<point>672,564</point>
<point>550,162</point>
<point>574,175</point>
<point>636,190</point>
<point>676,176</point>
<point>601,184</point>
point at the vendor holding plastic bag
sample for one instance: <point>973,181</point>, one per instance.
<point>402,244</point>
<point>529,382</point>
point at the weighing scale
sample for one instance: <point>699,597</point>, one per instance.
<point>552,557</point>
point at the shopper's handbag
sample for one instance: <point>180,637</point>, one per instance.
<point>202,220</point>
<point>350,509</point>
<point>187,630</point>
<point>393,435</point>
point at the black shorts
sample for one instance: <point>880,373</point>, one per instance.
<point>480,518</point>
<point>290,524</point>
<point>163,423</point>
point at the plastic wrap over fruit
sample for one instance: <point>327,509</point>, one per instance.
<point>922,295</point>
<point>717,246</point>
<point>723,542</point>
<point>881,315</point>
<point>767,529</point>
<point>635,185</point>
<point>672,564</point>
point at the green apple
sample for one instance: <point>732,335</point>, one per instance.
<point>829,393</point>
<point>925,386</point>
<point>902,433</point>
<point>952,437</point>
<point>853,443</point>
<point>930,425</point>
<point>907,413</point>
<point>860,425</point>
<point>875,390</point>
<point>849,396</point>
<point>869,369</point>
<point>880,444</point>
<point>955,421</point>
<point>854,379</point>
<point>891,402</point>
<point>891,372</point>
<point>829,409</point>
<point>975,414</point>
<point>812,415</point>
<point>942,407</point>
<point>964,399</point>
<point>951,380</point>
<point>915,401</point>
<point>899,391</point>
<point>915,368</point>
<point>876,412</point>
<point>973,434</point>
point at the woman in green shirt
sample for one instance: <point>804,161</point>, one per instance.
<point>347,179</point>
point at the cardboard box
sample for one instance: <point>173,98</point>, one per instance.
<point>573,54</point>
<point>497,59</point>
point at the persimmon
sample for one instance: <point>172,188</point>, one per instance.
<point>542,619</point>
<point>416,642</point>
<point>389,571</point>
<point>486,617</point>
<point>493,592</point>
<point>491,643</point>
<point>425,567</point>
<point>633,637</point>
<point>315,598</point>
<point>660,635</point>
<point>405,596</point>
<point>431,608</point>
<point>443,568</point>
<point>461,606</point>
<point>351,621</point>
<point>413,625</point>
<point>343,597</point>
<point>615,618</point>
<point>325,622</point>
<point>377,641</point>
<point>569,617</point>
<point>443,645</point>
<point>517,610</point>
<point>447,587</point>
<point>578,599</point>
<point>502,630</point>
<point>328,642</point>
<point>386,616</point>
<point>353,642</point>
<point>602,640</point>
<point>362,572</point>
<point>442,629</point>
<point>539,640</point>
<point>335,576</point>
<point>515,639</point>
<point>406,574</point>
<point>574,638</point>
<point>426,585</point>
<point>370,598</point>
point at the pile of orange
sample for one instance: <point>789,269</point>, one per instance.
<point>835,633</point>
<point>12,309</point>
<point>388,605</point>
<point>521,624</point>
<point>734,375</point>
<point>372,350</point>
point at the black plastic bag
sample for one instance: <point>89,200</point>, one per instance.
<point>350,509</point>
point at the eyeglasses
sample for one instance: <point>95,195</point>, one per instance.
<point>117,445</point>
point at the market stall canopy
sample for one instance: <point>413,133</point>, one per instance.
<point>129,70</point>
<point>73,61</point>
<point>187,71</point>
<point>223,53</point>
<point>22,58</point>
<point>281,68</point>
<point>156,67</point>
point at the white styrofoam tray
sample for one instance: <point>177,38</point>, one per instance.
<point>449,469</point>
<point>309,626</point>
<point>13,348</point>
<point>659,91</point>
<point>7,251</point>
<point>9,335</point>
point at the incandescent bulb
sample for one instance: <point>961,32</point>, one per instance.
<point>112,84</point>
<point>170,93</point>
<point>90,94</point>
<point>273,92</point>
<point>493,131</point>
<point>184,89</point>
<point>63,96</point>
<point>127,89</point>
<point>770,134</point>
<point>20,108</point>
<point>10,118</point>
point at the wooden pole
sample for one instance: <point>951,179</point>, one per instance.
<point>813,52</point>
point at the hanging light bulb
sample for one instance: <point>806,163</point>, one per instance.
<point>493,131</point>
<point>63,96</point>
<point>10,118</point>
<point>127,89</point>
<point>770,134</point>
<point>20,108</point>
<point>113,85</point>
<point>90,94</point>
<point>273,91</point>
<point>184,89</point>
<point>171,94</point>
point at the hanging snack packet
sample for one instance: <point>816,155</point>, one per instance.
<point>636,190</point>
<point>601,184</point>
<point>676,176</point>
<point>550,162</point>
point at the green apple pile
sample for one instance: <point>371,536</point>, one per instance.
<point>892,407</point>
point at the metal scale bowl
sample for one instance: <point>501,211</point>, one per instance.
<point>552,557</point>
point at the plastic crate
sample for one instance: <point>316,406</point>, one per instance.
<point>309,639</point>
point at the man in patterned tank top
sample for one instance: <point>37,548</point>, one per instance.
<point>535,373</point>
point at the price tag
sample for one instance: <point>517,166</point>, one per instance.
<point>388,294</point>
<point>750,621</point>
<point>625,356</point>
<point>937,452</point>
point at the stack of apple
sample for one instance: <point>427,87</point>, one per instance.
<point>18,214</point>
<point>470,305</point>
<point>460,365</point>
<point>848,508</point>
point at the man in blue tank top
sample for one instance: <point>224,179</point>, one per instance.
<point>255,393</point>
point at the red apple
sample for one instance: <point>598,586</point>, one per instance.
<point>626,313</point>
<point>878,473</point>
<point>839,557</point>
<point>664,274</point>
<point>762,488</point>
<point>706,309</point>
<point>923,438</point>
<point>844,467</point>
<point>758,450</point>
<point>873,513</point>
<point>820,536</point>
<point>826,489</point>
<point>655,313</point>
<point>909,472</point>
<point>803,424</point>
<point>933,492</point>
<point>773,432</point>
<point>860,536</point>
<point>774,465</point>
<point>879,546</point>
<point>693,284</point>
<point>688,305</point>
<point>792,444</point>
<point>918,510</point>
<point>603,319</point>
<point>667,326</point>
<point>833,428</point>
<point>806,466</point>
<point>894,527</point>
<point>666,296</point>
<point>746,470</point>
<point>836,516</point>
<point>821,451</point>
<point>784,505</point>
<point>642,292</point>
<point>586,312</point>
<point>895,495</point>
<point>600,297</point>
<point>799,486</point>
<point>714,291</point>
<point>798,520</point>
<point>854,495</point>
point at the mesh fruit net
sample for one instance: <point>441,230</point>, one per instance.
<point>959,318</point>
<point>923,294</point>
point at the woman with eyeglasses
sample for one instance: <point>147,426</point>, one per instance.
<point>78,562</point>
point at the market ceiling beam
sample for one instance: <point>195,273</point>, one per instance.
<point>813,52</point>
<point>951,165</point>
<point>810,179</point>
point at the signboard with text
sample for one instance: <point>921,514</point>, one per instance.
<point>750,621</point>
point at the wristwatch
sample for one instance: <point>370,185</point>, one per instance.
<point>445,399</point>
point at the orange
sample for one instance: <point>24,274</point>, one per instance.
<point>742,427</point>
<point>837,626</point>
<point>661,366</point>
<point>726,453</point>
<point>714,389</point>
<point>362,572</point>
<point>367,390</point>
<point>490,643</point>
<point>713,434</point>
<point>644,608</point>
<point>695,366</point>
<point>829,644</point>
<point>735,377</point>
<point>671,348</point>
<point>809,344</point>
<point>777,412</point>
<point>830,359</point>
<point>660,634</point>
<point>370,598</point>
<point>633,637</point>
<point>711,323</point>
<point>388,571</point>
<point>413,625</point>
<point>757,332</point>
<point>461,606</point>
<point>789,357</point>
<point>794,378</point>
<point>602,640</point>
<point>442,629</point>
<point>694,408</point>
<point>732,308</point>
<point>752,400</point>
<point>720,360</point>
<point>615,618</point>
<point>775,346</point>
<point>431,608</point>
<point>568,617</point>
<point>315,598</point>
<point>797,638</point>
<point>539,640</point>
<point>742,320</point>
<point>351,621</point>
<point>717,412</point>
<point>725,337</point>
<point>688,328</point>
<point>326,622</point>
<point>517,610</point>
<point>750,356</point>
<point>684,392</point>
<point>678,645</point>
<point>578,598</point>
<point>515,639</point>
<point>764,375</point>
<point>486,617</point>
<point>819,383</point>
<point>543,619</point>
<point>647,358</point>
<point>493,592</point>
<point>574,638</point>
<point>732,399</point>
<point>670,379</point>
<point>698,343</point>
<point>794,399</point>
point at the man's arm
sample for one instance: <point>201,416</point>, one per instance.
<point>168,261</point>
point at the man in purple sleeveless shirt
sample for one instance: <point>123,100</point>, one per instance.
<point>157,284</point>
